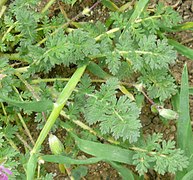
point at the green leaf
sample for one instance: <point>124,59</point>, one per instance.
<point>37,106</point>
<point>156,53</point>
<point>184,130</point>
<point>117,116</point>
<point>151,53</point>
<point>109,4</point>
<point>105,151</point>
<point>113,61</point>
<point>62,98</point>
<point>79,172</point>
<point>63,49</point>
<point>27,23</point>
<point>31,166</point>
<point>67,160</point>
<point>168,16</point>
<point>181,48</point>
<point>139,8</point>
<point>124,172</point>
<point>159,83</point>
<point>188,176</point>
<point>142,162</point>
<point>160,155</point>
<point>175,101</point>
<point>191,90</point>
<point>183,27</point>
<point>98,71</point>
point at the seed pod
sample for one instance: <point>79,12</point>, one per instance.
<point>168,113</point>
<point>56,145</point>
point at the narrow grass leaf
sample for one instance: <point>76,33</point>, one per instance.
<point>188,176</point>
<point>183,27</point>
<point>126,6</point>
<point>97,71</point>
<point>124,172</point>
<point>191,90</point>
<point>176,101</point>
<point>37,106</point>
<point>139,8</point>
<point>105,151</point>
<point>31,166</point>
<point>126,92</point>
<point>63,97</point>
<point>181,49</point>
<point>67,160</point>
<point>184,130</point>
<point>109,4</point>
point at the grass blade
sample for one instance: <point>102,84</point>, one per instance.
<point>63,97</point>
<point>124,172</point>
<point>67,160</point>
<point>31,166</point>
<point>191,90</point>
<point>184,130</point>
<point>37,106</point>
<point>109,4</point>
<point>181,48</point>
<point>105,151</point>
<point>180,27</point>
<point>188,176</point>
<point>183,27</point>
<point>98,71</point>
<point>139,8</point>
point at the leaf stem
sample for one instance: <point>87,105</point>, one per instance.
<point>47,6</point>
<point>3,8</point>
<point>65,94</point>
<point>26,128</point>
<point>63,97</point>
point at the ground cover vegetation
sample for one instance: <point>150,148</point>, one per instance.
<point>90,80</point>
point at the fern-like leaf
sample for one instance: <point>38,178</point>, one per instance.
<point>119,117</point>
<point>161,154</point>
<point>159,84</point>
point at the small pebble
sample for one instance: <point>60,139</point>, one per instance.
<point>186,17</point>
<point>173,128</point>
<point>167,131</point>
<point>171,137</point>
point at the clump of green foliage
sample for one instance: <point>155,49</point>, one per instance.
<point>116,65</point>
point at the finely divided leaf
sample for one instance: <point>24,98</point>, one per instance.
<point>113,61</point>
<point>159,84</point>
<point>159,155</point>
<point>117,116</point>
<point>157,54</point>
